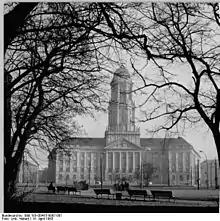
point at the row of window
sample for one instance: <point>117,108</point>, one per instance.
<point>181,177</point>
<point>123,170</point>
<point>74,169</point>
<point>180,168</point>
<point>67,177</point>
<point>73,156</point>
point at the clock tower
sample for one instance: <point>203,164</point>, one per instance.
<point>121,111</point>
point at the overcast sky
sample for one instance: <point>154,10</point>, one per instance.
<point>199,136</point>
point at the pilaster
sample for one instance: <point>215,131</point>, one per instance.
<point>127,163</point>
<point>133,158</point>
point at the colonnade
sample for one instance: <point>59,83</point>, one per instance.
<point>134,161</point>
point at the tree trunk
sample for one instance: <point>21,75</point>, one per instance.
<point>216,135</point>
<point>14,20</point>
<point>11,169</point>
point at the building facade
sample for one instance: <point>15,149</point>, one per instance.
<point>210,179</point>
<point>28,172</point>
<point>122,153</point>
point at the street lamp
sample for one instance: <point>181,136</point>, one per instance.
<point>216,177</point>
<point>89,159</point>
<point>101,168</point>
<point>168,170</point>
<point>211,166</point>
<point>207,167</point>
<point>142,168</point>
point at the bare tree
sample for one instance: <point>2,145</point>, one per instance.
<point>53,78</point>
<point>183,40</point>
<point>53,61</point>
<point>14,20</point>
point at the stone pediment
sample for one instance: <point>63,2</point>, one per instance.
<point>123,144</point>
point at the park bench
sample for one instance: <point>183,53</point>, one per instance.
<point>103,192</point>
<point>53,188</point>
<point>165,194</point>
<point>73,189</point>
<point>61,188</point>
<point>137,193</point>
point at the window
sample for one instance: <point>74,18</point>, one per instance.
<point>74,169</point>
<point>174,167</point>
<point>74,159</point>
<point>130,160</point>
<point>181,169</point>
<point>60,177</point>
<point>60,156</point>
<point>75,156</point>
<point>61,166</point>
<point>68,164</point>
<point>181,178</point>
<point>74,176</point>
<point>156,177</point>
<point>117,176</point>
<point>158,168</point>
<point>82,176</point>
<point>94,168</point>
<point>68,169</point>
<point>67,177</point>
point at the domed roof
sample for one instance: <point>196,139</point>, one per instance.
<point>121,74</point>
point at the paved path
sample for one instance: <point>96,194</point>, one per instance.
<point>187,198</point>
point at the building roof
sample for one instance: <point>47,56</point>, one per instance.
<point>144,142</point>
<point>161,142</point>
<point>90,141</point>
<point>209,161</point>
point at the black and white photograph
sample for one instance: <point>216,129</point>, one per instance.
<point>111,107</point>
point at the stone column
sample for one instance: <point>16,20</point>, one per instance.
<point>37,178</point>
<point>106,161</point>
<point>85,169</point>
<point>140,163</point>
<point>177,167</point>
<point>106,167</point>
<point>127,163</point>
<point>120,159</point>
<point>64,164</point>
<point>77,165</point>
<point>71,164</point>
<point>184,162</point>
<point>91,168</point>
<point>113,163</point>
<point>133,158</point>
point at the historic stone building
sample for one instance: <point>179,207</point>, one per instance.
<point>210,173</point>
<point>122,153</point>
